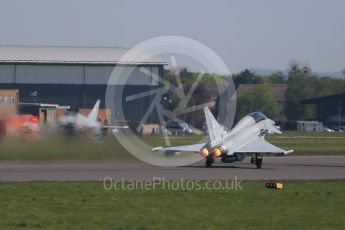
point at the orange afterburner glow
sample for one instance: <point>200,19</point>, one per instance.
<point>204,152</point>
<point>216,152</point>
<point>21,126</point>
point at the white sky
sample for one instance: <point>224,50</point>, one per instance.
<point>245,33</point>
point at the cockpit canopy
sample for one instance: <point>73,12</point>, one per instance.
<point>258,116</point>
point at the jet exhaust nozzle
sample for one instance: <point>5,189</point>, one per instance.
<point>204,152</point>
<point>219,151</point>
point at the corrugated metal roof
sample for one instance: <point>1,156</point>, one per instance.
<point>74,55</point>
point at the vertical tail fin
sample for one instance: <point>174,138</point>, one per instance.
<point>215,131</point>
<point>94,112</point>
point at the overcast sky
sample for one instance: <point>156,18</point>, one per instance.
<point>245,33</point>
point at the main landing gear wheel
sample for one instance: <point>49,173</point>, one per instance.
<point>258,161</point>
<point>209,162</point>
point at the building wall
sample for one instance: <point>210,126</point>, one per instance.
<point>309,126</point>
<point>78,86</point>
<point>74,74</point>
<point>7,73</point>
<point>9,97</point>
<point>8,102</point>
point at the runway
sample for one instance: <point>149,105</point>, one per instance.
<point>278,168</point>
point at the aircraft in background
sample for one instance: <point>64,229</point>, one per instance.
<point>246,138</point>
<point>74,122</point>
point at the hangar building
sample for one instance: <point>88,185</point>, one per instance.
<point>74,76</point>
<point>329,109</point>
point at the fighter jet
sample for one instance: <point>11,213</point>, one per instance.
<point>74,122</point>
<point>247,137</point>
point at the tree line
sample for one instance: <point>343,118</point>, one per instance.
<point>300,82</point>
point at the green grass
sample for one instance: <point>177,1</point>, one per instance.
<point>311,143</point>
<point>77,148</point>
<point>310,134</point>
<point>87,205</point>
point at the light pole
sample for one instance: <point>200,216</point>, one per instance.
<point>34,95</point>
<point>284,98</point>
<point>251,96</point>
<point>339,114</point>
<point>251,101</point>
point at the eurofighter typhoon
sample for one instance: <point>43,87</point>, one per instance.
<point>247,138</point>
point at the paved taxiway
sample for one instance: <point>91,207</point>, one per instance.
<point>289,168</point>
